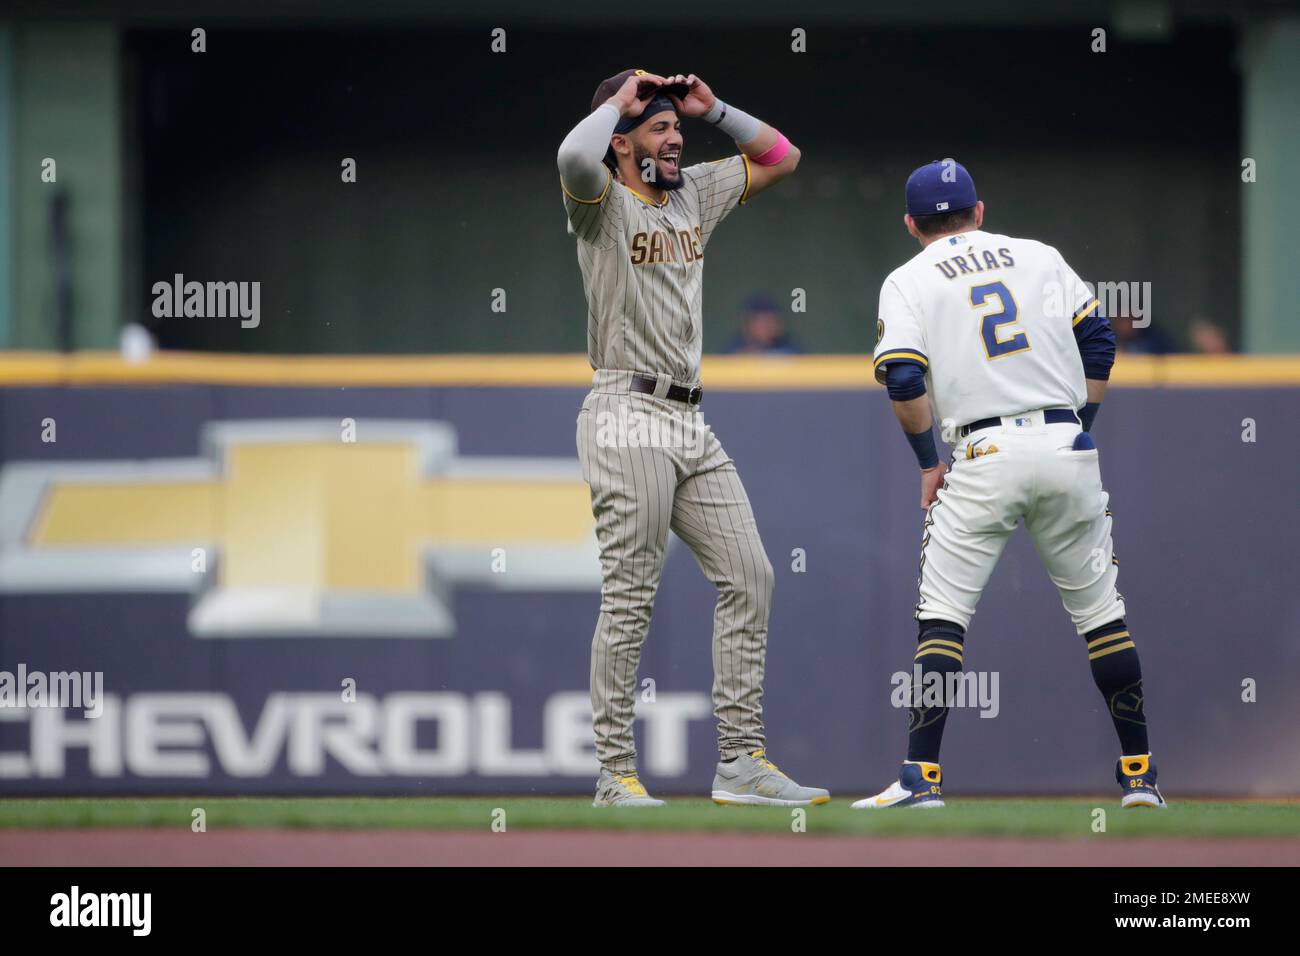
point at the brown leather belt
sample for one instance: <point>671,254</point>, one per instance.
<point>678,393</point>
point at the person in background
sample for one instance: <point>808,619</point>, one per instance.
<point>763,330</point>
<point>1209,338</point>
<point>1140,341</point>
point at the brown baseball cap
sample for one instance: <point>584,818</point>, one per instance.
<point>615,83</point>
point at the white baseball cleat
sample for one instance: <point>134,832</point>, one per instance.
<point>918,785</point>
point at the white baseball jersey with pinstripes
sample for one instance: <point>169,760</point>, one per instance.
<point>643,267</point>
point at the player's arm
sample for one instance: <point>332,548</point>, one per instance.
<point>581,159</point>
<point>900,365</point>
<point>1093,336</point>
<point>1096,342</point>
<point>906,385</point>
<point>770,156</point>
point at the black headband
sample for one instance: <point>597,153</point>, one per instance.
<point>658,104</point>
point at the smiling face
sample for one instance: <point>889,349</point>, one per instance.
<point>657,141</point>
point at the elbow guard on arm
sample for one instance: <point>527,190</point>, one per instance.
<point>1096,341</point>
<point>904,381</point>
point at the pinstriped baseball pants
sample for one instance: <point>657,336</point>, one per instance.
<point>652,465</point>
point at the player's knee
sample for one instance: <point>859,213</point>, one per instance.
<point>758,586</point>
<point>749,590</point>
<point>627,599</point>
<point>1097,607</point>
<point>945,612</point>
<point>766,578</point>
<point>748,570</point>
<point>633,576</point>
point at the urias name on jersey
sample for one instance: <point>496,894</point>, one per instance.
<point>980,312</point>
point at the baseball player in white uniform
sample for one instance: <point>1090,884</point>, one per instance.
<point>642,224</point>
<point>1007,345</point>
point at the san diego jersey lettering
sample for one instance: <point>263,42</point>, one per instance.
<point>643,268</point>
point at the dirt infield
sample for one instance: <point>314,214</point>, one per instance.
<point>126,847</point>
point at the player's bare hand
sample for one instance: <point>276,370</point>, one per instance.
<point>634,95</point>
<point>699,99</point>
<point>931,482</point>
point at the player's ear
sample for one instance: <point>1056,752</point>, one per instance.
<point>979,213</point>
<point>621,145</point>
<point>911,226</point>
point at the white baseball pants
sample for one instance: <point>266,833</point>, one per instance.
<point>1025,470</point>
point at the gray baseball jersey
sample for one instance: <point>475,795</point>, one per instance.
<point>652,463</point>
<point>643,267</point>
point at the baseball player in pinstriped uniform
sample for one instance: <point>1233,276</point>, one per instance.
<point>1011,345</point>
<point>642,224</point>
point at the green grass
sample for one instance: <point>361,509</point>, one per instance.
<point>1066,817</point>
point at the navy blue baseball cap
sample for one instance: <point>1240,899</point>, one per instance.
<point>939,187</point>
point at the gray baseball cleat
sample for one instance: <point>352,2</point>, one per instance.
<point>754,779</point>
<point>622,790</point>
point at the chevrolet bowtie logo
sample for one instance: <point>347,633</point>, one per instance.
<point>302,533</point>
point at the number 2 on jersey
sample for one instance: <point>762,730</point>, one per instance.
<point>996,343</point>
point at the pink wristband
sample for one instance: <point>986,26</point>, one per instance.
<point>774,153</point>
